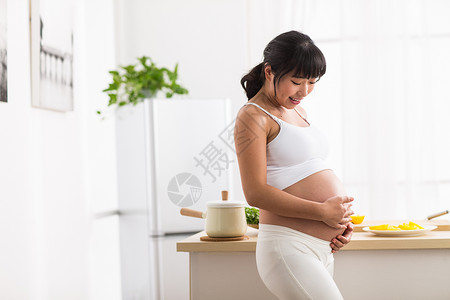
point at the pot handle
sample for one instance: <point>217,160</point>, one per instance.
<point>224,195</point>
<point>192,213</point>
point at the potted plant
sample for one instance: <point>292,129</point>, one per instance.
<point>133,83</point>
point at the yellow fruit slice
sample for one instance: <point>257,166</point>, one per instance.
<point>416,226</point>
<point>357,219</point>
<point>390,227</point>
<point>405,226</point>
<point>379,227</point>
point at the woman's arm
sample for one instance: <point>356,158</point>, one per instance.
<point>252,130</point>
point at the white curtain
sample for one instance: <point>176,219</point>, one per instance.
<point>384,101</point>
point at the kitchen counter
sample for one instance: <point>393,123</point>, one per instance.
<point>405,267</point>
<point>360,241</point>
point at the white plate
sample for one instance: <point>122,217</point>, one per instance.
<point>401,232</point>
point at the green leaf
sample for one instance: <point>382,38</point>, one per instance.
<point>129,81</point>
<point>252,215</point>
<point>112,99</point>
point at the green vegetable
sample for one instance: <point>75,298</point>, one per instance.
<point>252,215</point>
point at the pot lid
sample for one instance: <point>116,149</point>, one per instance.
<point>224,203</point>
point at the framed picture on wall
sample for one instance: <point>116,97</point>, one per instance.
<point>52,54</point>
<point>3,54</point>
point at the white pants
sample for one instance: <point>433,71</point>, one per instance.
<point>295,265</point>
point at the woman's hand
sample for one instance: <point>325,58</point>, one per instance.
<point>343,239</point>
<point>336,211</point>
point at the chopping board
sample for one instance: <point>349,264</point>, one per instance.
<point>442,225</point>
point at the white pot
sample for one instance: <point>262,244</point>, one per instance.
<point>223,218</point>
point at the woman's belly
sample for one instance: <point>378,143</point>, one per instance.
<point>317,187</point>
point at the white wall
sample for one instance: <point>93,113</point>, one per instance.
<point>206,38</point>
<point>57,170</point>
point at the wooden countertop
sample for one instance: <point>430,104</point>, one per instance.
<point>436,239</point>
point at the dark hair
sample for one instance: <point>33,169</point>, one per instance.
<point>289,51</point>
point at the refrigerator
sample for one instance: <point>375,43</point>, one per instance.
<point>171,153</point>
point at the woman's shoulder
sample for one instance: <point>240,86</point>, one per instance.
<point>251,110</point>
<point>252,116</point>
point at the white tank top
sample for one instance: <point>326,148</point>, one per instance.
<point>295,153</point>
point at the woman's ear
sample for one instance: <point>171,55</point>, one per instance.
<point>268,72</point>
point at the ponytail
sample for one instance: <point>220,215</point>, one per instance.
<point>253,81</point>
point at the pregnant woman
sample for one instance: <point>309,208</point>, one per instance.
<point>304,210</point>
